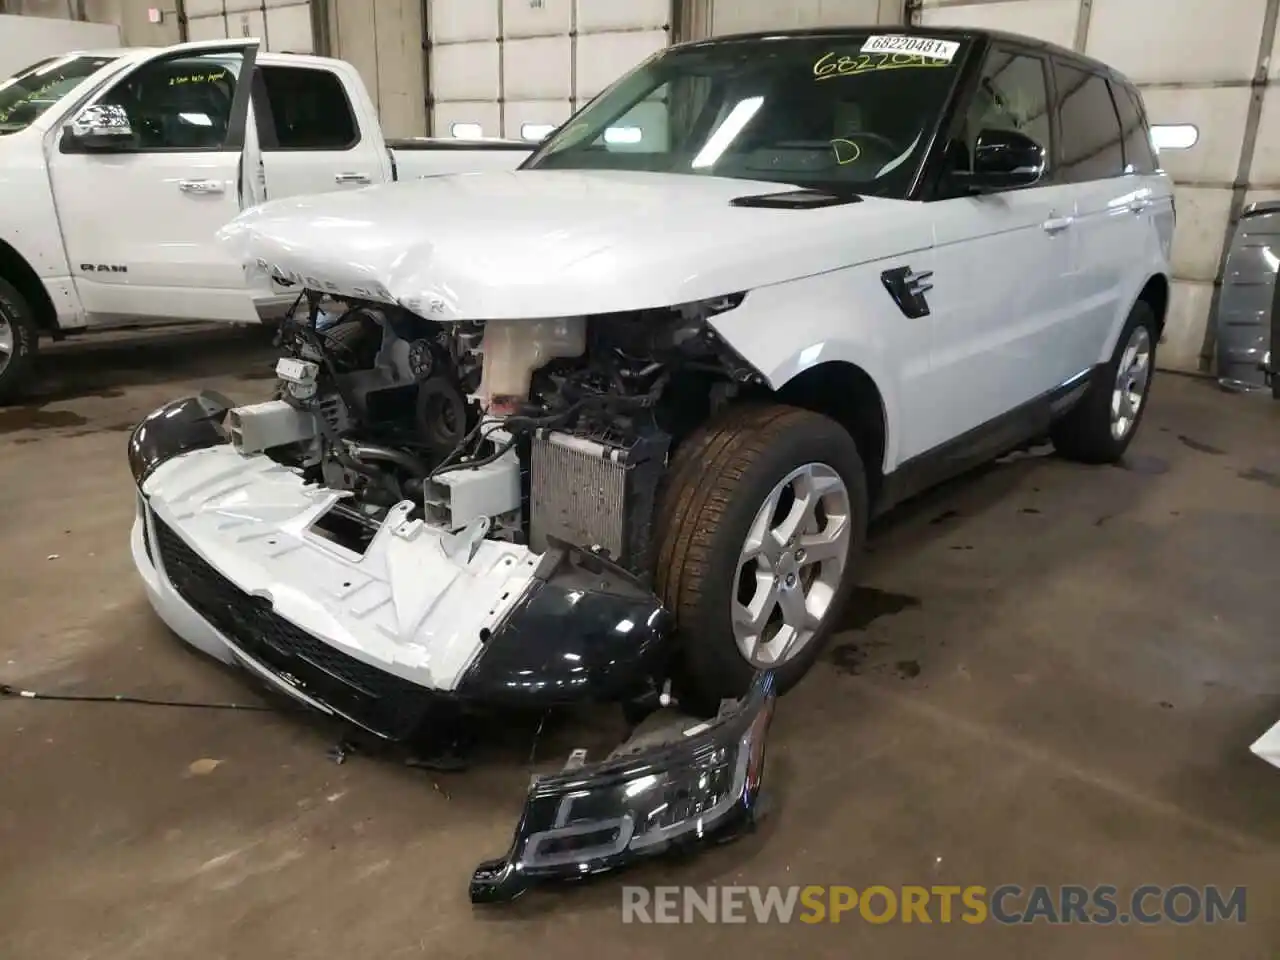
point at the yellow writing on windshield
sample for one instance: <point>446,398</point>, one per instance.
<point>213,77</point>
<point>831,65</point>
<point>846,151</point>
<point>35,96</point>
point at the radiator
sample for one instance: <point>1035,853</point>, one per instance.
<point>595,493</point>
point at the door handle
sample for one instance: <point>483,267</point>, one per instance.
<point>352,178</point>
<point>1137,206</point>
<point>202,186</point>
<point>1057,224</point>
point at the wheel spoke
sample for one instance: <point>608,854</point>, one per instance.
<point>755,614</point>
<point>1141,372</point>
<point>762,544</point>
<point>795,614</point>
<point>810,487</point>
<point>831,544</point>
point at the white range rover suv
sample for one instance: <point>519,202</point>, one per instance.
<point>615,422</point>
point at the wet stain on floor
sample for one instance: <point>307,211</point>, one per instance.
<point>907,669</point>
<point>1029,510</point>
<point>38,418</point>
<point>1200,446</point>
<point>1256,475</point>
<point>867,605</point>
<point>120,427</point>
<point>847,658</point>
<point>1138,463</point>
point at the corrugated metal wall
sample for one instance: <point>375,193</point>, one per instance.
<point>384,40</point>
<point>281,25</point>
<point>519,67</point>
<point>718,17</point>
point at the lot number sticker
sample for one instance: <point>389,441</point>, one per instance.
<point>921,46</point>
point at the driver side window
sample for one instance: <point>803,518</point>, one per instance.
<point>1012,95</point>
<point>181,104</point>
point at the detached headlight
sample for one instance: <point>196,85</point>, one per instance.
<point>699,785</point>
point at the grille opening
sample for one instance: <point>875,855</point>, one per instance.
<point>368,696</point>
<point>346,527</point>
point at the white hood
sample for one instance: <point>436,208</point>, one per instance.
<point>525,244</point>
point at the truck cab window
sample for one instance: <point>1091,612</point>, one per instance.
<point>180,104</point>
<point>30,92</point>
<point>305,109</point>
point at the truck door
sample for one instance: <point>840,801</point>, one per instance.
<point>313,137</point>
<point>143,177</point>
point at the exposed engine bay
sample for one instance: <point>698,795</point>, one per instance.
<point>512,430</point>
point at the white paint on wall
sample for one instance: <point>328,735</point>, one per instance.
<point>24,40</point>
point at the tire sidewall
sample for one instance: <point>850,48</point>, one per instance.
<point>14,310</point>
<point>1141,315</point>
<point>828,444</point>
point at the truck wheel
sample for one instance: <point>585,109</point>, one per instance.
<point>1100,427</point>
<point>19,337</point>
<point>759,531</point>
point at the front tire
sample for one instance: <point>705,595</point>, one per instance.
<point>19,339</point>
<point>759,533</point>
<point>1101,426</point>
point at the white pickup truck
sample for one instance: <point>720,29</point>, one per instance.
<point>117,167</point>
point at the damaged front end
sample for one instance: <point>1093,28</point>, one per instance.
<point>442,511</point>
<point>396,612</point>
<point>683,784</point>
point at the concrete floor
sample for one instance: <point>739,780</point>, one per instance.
<point>1052,677</point>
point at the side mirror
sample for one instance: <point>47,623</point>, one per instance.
<point>1004,159</point>
<point>100,127</point>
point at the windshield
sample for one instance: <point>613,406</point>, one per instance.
<point>846,113</point>
<point>32,91</point>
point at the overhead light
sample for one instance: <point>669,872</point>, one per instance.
<point>623,135</point>
<point>535,131</point>
<point>466,131</point>
<point>725,134</point>
<point>1174,136</point>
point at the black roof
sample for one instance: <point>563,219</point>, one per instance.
<point>944,33</point>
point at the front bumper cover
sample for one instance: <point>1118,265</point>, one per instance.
<point>700,786</point>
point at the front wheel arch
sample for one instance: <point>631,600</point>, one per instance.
<point>15,268</point>
<point>847,394</point>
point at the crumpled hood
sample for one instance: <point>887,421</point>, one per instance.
<point>534,243</point>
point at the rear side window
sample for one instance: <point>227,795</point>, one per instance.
<point>1138,154</point>
<point>1092,143</point>
<point>307,110</point>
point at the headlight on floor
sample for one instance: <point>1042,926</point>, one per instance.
<point>700,785</point>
